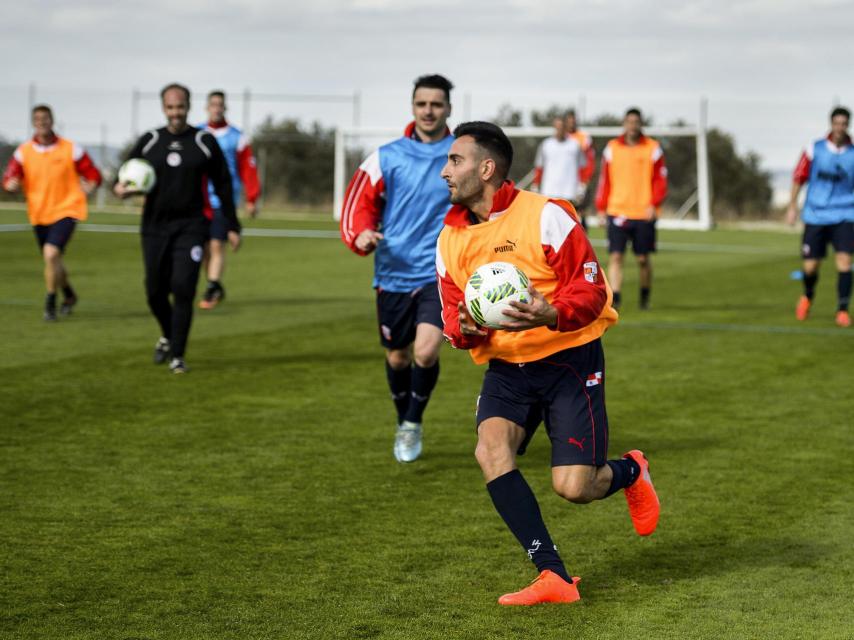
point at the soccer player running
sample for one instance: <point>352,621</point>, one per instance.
<point>828,212</point>
<point>585,173</point>
<point>558,165</point>
<point>244,178</point>
<point>632,186</point>
<point>55,175</point>
<point>175,226</point>
<point>394,207</point>
<point>546,363</point>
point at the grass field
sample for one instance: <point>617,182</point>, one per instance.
<point>257,497</point>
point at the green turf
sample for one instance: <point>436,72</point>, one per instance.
<point>257,496</point>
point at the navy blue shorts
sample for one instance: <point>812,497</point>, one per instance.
<point>219,226</point>
<point>817,236</point>
<point>566,390</point>
<point>57,234</point>
<point>640,232</point>
<point>399,313</point>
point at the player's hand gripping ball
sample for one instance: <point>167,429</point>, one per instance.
<point>491,289</point>
<point>137,175</point>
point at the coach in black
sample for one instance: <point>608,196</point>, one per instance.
<point>175,218</point>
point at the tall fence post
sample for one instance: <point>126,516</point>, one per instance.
<point>704,208</point>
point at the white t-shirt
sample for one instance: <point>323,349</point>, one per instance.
<point>560,160</point>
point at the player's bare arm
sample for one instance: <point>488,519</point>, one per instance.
<point>536,313</point>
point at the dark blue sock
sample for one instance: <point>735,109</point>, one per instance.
<point>843,290</point>
<point>809,284</point>
<point>517,505</point>
<point>399,381</point>
<point>626,471</point>
<point>423,382</point>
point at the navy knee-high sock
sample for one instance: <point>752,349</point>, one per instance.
<point>625,471</point>
<point>843,290</point>
<point>423,382</point>
<point>399,381</point>
<point>809,284</point>
<point>517,505</point>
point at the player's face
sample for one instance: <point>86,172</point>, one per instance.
<point>632,125</point>
<point>462,171</point>
<point>42,123</point>
<point>216,109</point>
<point>838,129</point>
<point>571,123</point>
<point>431,110</point>
<point>176,106</point>
<point>560,129</point>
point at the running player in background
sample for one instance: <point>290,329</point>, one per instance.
<point>546,363</point>
<point>175,222</point>
<point>394,207</point>
<point>55,175</point>
<point>828,213</point>
<point>632,186</point>
<point>585,173</point>
<point>244,179</point>
<point>558,165</point>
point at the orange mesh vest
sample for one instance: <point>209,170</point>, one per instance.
<point>51,183</point>
<point>630,173</point>
<point>464,249</point>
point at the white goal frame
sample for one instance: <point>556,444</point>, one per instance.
<point>701,197</point>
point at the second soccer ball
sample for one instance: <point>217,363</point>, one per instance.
<point>491,289</point>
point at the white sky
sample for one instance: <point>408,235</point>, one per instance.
<point>770,68</point>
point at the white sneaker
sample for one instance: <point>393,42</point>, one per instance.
<point>407,442</point>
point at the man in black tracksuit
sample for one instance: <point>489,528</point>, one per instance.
<point>175,218</point>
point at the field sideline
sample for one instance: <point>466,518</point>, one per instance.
<point>257,496</point>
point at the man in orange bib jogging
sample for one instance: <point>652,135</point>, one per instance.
<point>55,175</point>
<point>546,363</point>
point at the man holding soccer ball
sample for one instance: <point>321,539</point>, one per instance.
<point>394,208</point>
<point>545,362</point>
<point>175,220</point>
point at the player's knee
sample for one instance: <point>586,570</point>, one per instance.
<point>426,356</point>
<point>51,253</point>
<point>643,260</point>
<point>574,489</point>
<point>492,452</point>
<point>184,291</point>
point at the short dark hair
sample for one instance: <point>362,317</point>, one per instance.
<point>217,93</point>
<point>491,139</point>
<point>174,85</point>
<point>42,107</point>
<point>569,112</point>
<point>633,111</point>
<point>840,111</point>
<point>434,81</point>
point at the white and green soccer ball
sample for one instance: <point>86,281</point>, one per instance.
<point>138,175</point>
<point>491,289</point>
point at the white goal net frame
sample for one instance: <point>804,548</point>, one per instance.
<point>701,197</point>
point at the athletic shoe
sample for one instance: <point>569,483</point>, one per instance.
<point>644,507</point>
<point>178,366</point>
<point>67,306</point>
<point>212,297</point>
<point>546,587</point>
<point>162,350</point>
<point>843,319</point>
<point>407,442</point>
<point>49,314</point>
<point>803,308</point>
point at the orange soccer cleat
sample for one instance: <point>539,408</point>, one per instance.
<point>803,308</point>
<point>843,319</point>
<point>546,587</point>
<point>644,507</point>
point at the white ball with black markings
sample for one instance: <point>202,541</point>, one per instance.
<point>491,289</point>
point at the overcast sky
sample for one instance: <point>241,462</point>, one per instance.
<point>771,69</point>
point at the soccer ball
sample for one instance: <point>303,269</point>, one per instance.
<point>138,175</point>
<point>491,289</point>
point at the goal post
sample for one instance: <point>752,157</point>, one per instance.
<point>700,198</point>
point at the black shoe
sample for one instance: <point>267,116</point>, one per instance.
<point>213,295</point>
<point>67,306</point>
<point>178,366</point>
<point>162,350</point>
<point>644,305</point>
<point>50,314</point>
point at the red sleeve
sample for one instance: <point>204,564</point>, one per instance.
<point>87,169</point>
<point>581,293</point>
<point>538,176</point>
<point>247,168</point>
<point>450,296</point>
<point>363,202</point>
<point>585,173</point>
<point>13,170</point>
<point>659,181</point>
<point>603,191</point>
<point>802,171</point>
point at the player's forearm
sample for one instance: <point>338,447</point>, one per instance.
<point>794,193</point>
